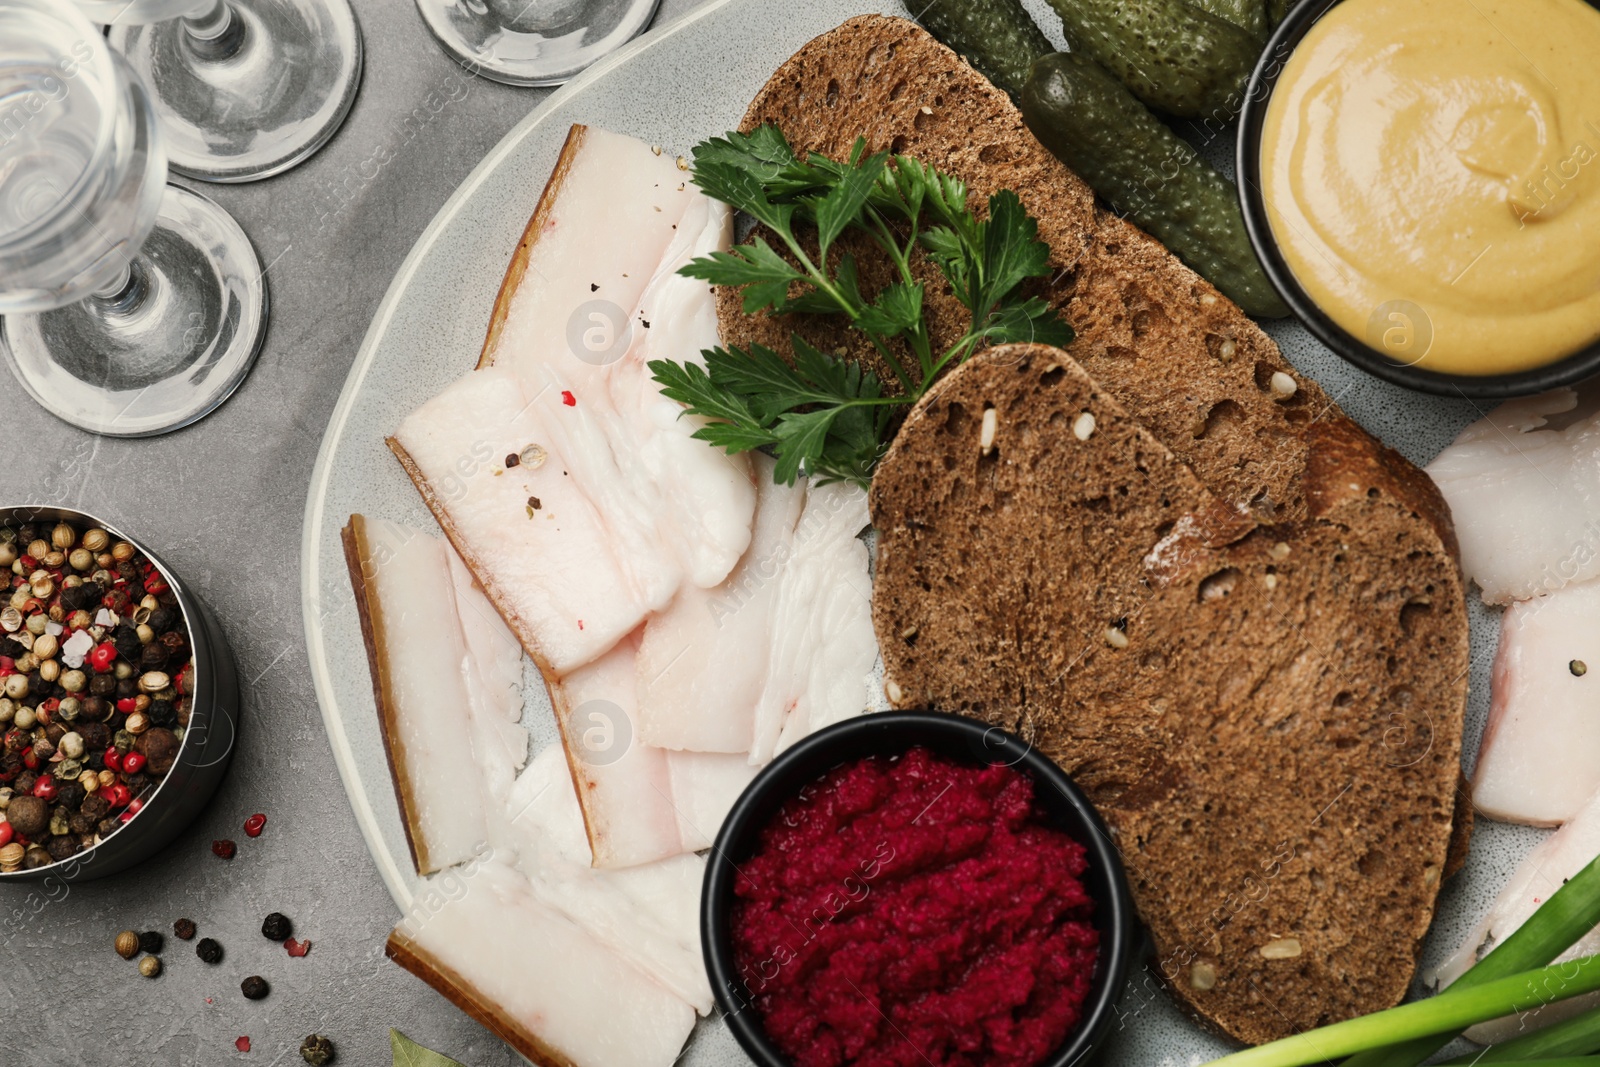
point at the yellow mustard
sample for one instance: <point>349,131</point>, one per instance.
<point>1431,170</point>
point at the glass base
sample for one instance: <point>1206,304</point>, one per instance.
<point>533,42</point>
<point>167,348</point>
<point>257,99</point>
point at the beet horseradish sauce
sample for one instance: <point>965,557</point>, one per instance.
<point>915,911</point>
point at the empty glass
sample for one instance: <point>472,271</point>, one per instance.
<point>243,89</point>
<point>533,42</point>
<point>131,306</point>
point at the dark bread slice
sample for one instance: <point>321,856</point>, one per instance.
<point>1162,340</point>
<point>1268,716</point>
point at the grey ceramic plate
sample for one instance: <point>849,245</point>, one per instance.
<point>672,87</point>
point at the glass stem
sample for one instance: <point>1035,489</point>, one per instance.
<point>124,293</point>
<point>216,34</point>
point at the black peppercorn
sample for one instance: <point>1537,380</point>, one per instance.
<point>129,647</point>
<point>108,826</point>
<point>275,927</point>
<point>184,928</point>
<point>151,941</point>
<point>91,723</point>
<point>80,823</point>
<point>208,950</point>
<point>254,988</point>
<point>129,572</point>
<point>70,794</point>
<point>317,1050</point>
<point>127,689</point>
<point>23,785</point>
<point>102,685</point>
<point>163,619</point>
<point>162,713</point>
<point>63,847</point>
<point>152,657</point>
<point>95,807</point>
<point>136,783</point>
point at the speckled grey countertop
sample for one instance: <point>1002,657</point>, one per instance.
<point>222,503</point>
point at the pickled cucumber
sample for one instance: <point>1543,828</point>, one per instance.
<point>997,37</point>
<point>1248,15</point>
<point>1170,54</point>
<point>1147,172</point>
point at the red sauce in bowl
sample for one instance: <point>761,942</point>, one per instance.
<point>915,912</point>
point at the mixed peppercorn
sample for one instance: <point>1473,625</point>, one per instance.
<point>95,677</point>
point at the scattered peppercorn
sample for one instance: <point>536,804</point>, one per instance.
<point>208,950</point>
<point>317,1050</point>
<point>224,848</point>
<point>1578,668</point>
<point>297,948</point>
<point>151,941</point>
<point>255,987</point>
<point>127,944</point>
<point>254,825</point>
<point>275,927</point>
<point>150,966</point>
<point>242,1044</point>
<point>184,929</point>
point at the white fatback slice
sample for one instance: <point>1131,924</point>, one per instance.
<point>416,652</point>
<point>703,661</point>
<point>493,674</point>
<point>1542,871</point>
<point>609,211</point>
<point>537,979</point>
<point>616,512</point>
<point>647,914</point>
<point>1540,758</point>
<point>823,645</point>
<point>704,788</point>
<point>1525,499</point>
<point>622,783</point>
<point>550,571</point>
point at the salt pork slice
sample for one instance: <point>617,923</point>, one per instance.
<point>704,788</point>
<point>703,661</point>
<point>550,570</point>
<point>623,784</point>
<point>1542,871</point>
<point>448,703</point>
<point>823,644</point>
<point>647,914</point>
<point>641,804</point>
<point>1525,498</point>
<point>538,980</point>
<point>1540,758</point>
<point>557,469</point>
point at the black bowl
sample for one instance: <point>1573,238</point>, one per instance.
<point>208,740</point>
<point>1581,364</point>
<point>955,737</point>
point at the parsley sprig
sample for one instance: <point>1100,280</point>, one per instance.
<point>818,413</point>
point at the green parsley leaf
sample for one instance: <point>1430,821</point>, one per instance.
<point>817,413</point>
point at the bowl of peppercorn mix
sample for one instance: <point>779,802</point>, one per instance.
<point>118,698</point>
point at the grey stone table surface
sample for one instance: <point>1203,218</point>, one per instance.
<point>222,503</point>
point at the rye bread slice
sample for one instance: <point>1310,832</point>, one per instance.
<point>1162,340</point>
<point>1269,716</point>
